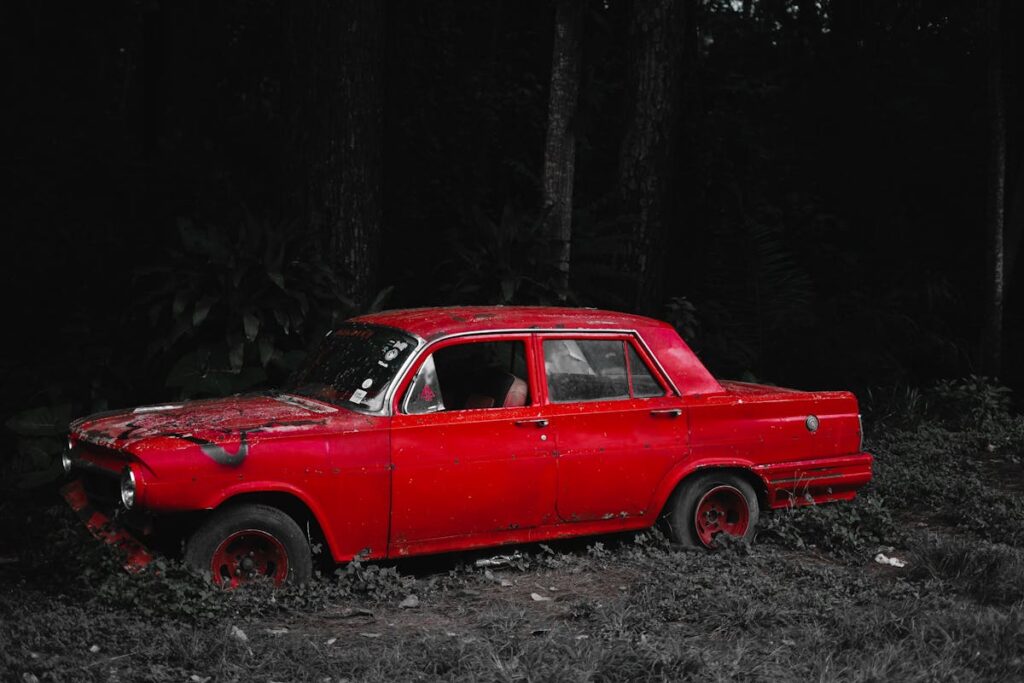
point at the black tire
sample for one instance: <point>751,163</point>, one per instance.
<point>251,523</point>
<point>680,512</point>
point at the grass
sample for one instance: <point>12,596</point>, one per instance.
<point>805,601</point>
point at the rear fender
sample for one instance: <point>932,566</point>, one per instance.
<point>675,477</point>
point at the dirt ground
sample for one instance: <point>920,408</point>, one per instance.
<point>807,600</point>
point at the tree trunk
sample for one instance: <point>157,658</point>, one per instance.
<point>334,99</point>
<point>1014,228</point>
<point>560,143</point>
<point>992,336</point>
<point>655,63</point>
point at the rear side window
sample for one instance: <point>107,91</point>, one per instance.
<point>641,380</point>
<point>585,370</point>
<point>596,370</point>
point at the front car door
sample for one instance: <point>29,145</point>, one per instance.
<point>470,453</point>
<point>616,424</point>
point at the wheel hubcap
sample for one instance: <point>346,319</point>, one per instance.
<point>248,555</point>
<point>723,509</point>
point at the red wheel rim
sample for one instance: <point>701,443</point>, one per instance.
<point>248,555</point>
<point>722,510</point>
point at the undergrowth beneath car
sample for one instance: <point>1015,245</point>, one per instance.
<point>806,600</point>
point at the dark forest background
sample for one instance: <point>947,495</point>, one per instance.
<point>818,193</point>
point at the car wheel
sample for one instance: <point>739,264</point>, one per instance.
<point>243,543</point>
<point>710,504</point>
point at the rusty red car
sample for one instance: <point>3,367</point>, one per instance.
<point>442,429</point>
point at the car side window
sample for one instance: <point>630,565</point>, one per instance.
<point>642,382</point>
<point>471,376</point>
<point>585,370</point>
<point>424,394</point>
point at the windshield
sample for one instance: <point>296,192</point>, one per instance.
<point>354,366</point>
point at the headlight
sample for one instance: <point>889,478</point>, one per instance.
<point>128,488</point>
<point>65,458</point>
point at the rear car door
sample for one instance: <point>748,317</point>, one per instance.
<point>468,454</point>
<point>616,424</point>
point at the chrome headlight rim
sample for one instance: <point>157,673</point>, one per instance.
<point>129,488</point>
<point>66,459</point>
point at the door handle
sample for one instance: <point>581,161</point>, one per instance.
<point>667,412</point>
<point>539,423</point>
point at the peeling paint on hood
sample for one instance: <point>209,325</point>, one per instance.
<point>210,420</point>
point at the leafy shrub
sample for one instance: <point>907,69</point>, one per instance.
<point>234,303</point>
<point>501,261</point>
<point>39,440</point>
<point>844,529</point>
<point>373,581</point>
<point>894,406</point>
<point>970,403</point>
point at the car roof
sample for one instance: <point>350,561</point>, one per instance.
<point>431,323</point>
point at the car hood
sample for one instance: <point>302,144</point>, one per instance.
<point>213,420</point>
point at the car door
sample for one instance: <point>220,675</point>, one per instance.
<point>468,452</point>
<point>616,425</point>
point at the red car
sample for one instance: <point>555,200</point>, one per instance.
<point>442,429</point>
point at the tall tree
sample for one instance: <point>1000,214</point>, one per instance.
<point>992,334</point>
<point>560,142</point>
<point>654,81</point>
<point>333,94</point>
<point>1014,228</point>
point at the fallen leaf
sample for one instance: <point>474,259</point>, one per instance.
<point>410,602</point>
<point>331,641</point>
<point>370,635</point>
<point>537,597</point>
<point>94,649</point>
<point>239,634</point>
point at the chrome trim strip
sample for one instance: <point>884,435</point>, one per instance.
<point>812,477</point>
<point>389,395</point>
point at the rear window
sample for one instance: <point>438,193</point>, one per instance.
<point>596,370</point>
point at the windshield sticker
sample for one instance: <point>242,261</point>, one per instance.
<point>367,383</point>
<point>357,396</point>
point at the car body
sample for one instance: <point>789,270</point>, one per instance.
<point>441,429</point>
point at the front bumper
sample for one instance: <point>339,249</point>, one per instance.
<point>101,526</point>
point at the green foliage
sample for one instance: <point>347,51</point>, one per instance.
<point>234,305</point>
<point>372,581</point>
<point>845,529</point>
<point>501,262</point>
<point>40,437</point>
<point>972,403</point>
